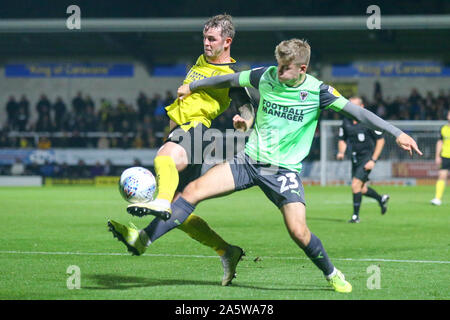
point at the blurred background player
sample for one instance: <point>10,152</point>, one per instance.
<point>188,120</point>
<point>442,160</point>
<point>365,146</point>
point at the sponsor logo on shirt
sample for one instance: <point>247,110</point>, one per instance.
<point>284,112</point>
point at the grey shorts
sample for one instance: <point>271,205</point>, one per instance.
<point>280,185</point>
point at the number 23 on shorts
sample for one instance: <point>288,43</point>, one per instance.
<point>288,181</point>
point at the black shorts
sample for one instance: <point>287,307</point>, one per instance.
<point>358,170</point>
<point>280,185</point>
<point>193,143</point>
<point>445,165</point>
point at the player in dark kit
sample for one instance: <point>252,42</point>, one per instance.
<point>365,146</point>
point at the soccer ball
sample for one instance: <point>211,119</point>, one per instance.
<point>137,184</point>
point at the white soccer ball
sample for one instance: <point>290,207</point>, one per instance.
<point>137,184</point>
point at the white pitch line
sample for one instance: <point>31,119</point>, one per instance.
<point>215,257</point>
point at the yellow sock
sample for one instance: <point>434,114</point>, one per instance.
<point>198,229</point>
<point>166,176</point>
<point>440,187</point>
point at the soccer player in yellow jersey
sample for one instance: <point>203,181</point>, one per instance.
<point>179,161</point>
<point>443,160</point>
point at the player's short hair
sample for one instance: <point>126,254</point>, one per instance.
<point>224,22</point>
<point>293,50</point>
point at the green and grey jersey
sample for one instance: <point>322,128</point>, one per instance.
<point>287,116</point>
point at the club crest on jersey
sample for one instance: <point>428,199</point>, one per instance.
<point>361,137</point>
<point>303,95</point>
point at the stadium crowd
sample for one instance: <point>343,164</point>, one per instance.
<point>144,123</point>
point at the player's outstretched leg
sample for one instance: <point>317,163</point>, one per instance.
<point>171,158</point>
<point>295,220</point>
<point>198,229</point>
<point>381,199</point>
<point>230,260</point>
<point>135,240</point>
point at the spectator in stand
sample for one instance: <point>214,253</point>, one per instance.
<point>78,104</point>
<point>43,107</point>
<point>104,114</point>
<point>4,140</point>
<point>81,170</point>
<point>90,119</point>
<point>89,102</point>
<point>103,143</point>
<point>64,171</point>
<point>21,119</point>
<point>11,109</point>
<point>44,143</point>
<point>44,124</point>
<point>97,170</point>
<point>137,162</point>
<point>147,123</point>
<point>161,119</point>
<point>24,143</point>
<point>25,104</point>
<point>124,142</point>
<point>169,98</point>
<point>142,103</point>
<point>108,168</point>
<point>59,112</point>
<point>33,169</point>
<point>18,168</point>
<point>138,141</point>
<point>48,169</point>
<point>153,103</point>
<point>150,139</point>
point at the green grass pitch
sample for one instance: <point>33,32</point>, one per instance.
<point>45,230</point>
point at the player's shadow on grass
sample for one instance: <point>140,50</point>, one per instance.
<point>118,282</point>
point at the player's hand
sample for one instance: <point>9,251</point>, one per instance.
<point>239,123</point>
<point>369,165</point>
<point>183,91</point>
<point>340,156</point>
<point>438,161</point>
<point>407,143</point>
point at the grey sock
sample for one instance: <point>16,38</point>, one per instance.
<point>316,252</point>
<point>181,209</point>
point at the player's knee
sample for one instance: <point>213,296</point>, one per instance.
<point>300,234</point>
<point>176,152</point>
<point>192,192</point>
<point>443,174</point>
<point>356,186</point>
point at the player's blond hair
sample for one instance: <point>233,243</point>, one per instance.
<point>293,50</point>
<point>224,22</point>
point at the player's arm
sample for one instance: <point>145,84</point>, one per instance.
<point>342,145</point>
<point>439,144</point>
<point>376,153</point>
<point>379,145</point>
<point>248,78</point>
<point>374,122</point>
<point>329,97</point>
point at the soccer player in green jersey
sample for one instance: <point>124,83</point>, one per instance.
<point>290,104</point>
